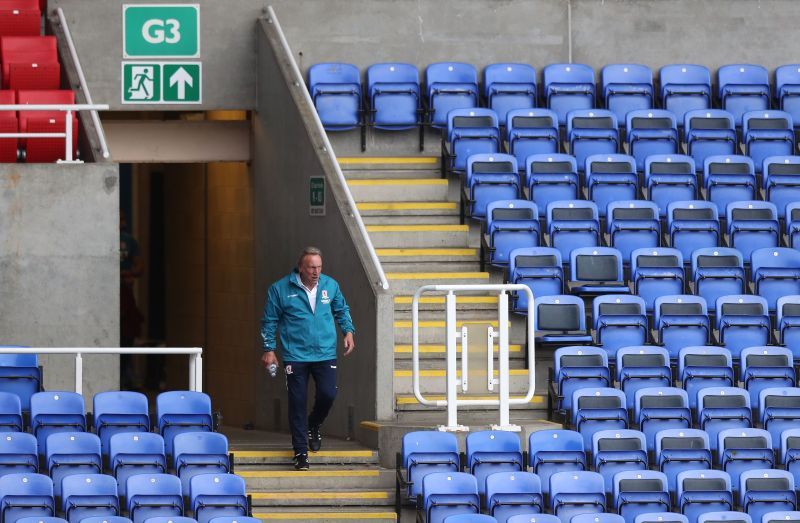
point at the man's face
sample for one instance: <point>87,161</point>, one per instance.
<point>310,269</point>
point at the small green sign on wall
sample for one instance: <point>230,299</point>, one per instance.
<point>161,30</point>
<point>316,196</point>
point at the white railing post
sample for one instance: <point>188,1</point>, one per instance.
<point>198,373</point>
<point>68,139</point>
<point>192,372</point>
<point>464,358</point>
<point>505,373</point>
<point>451,334</point>
<point>78,373</point>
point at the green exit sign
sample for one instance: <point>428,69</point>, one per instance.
<point>161,30</point>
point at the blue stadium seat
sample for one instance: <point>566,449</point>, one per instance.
<point>626,88</point>
<point>471,131</point>
<point>507,87</point>
<point>535,518</point>
<point>578,492</point>
<point>20,375</point>
<point>53,412</point>
<point>703,491</point>
<point>596,270</point>
<point>555,450</point>
<point>200,453</point>
<point>680,321</point>
<point>57,520</point>
<point>709,132</point>
<point>793,223</point>
<point>661,517</point>
<point>153,495</point>
<point>89,495</point>
<point>604,517</point>
<point>598,409</point>
<point>561,319</point>
<point>661,408</point>
<point>766,134</point>
<point>619,321</point>
<point>550,178</point>
<point>744,449</point>
<point>787,90</point>
<point>26,495</point>
<point>225,519</point>
<point>119,411</point>
<point>765,367</point>
<point>449,86</point>
<point>449,493</point>
<point>779,411</point>
<point>185,519</point>
<point>578,367</point>
<point>611,178</point>
<point>468,518</point>
<point>656,272</point>
<point>336,92</point>
<point>182,411</point>
<point>722,408</point>
<point>490,177</point>
<point>752,225</point>
<point>616,451</point>
<point>783,516</point>
<point>214,495</point>
<point>684,88</point>
<point>651,132</point>
<point>510,225</point>
<point>540,269</point>
<point>18,453</point>
<point>781,181</point>
<point>591,132</point>
<point>767,490</point>
<point>512,493</point>
<point>742,321</point>
<point>704,366</point>
<point>631,225</point>
<point>790,451</point>
<point>716,272</point>
<point>72,453</point>
<point>572,224</point>
<point>692,225</point>
<point>743,88</point>
<point>641,367</point>
<point>640,492</point>
<point>568,87</point>
<point>393,93</point>
<point>532,132</point>
<point>728,178</point>
<point>490,451</point>
<point>775,273</point>
<point>724,517</point>
<point>425,452</point>
<point>10,413</point>
<point>787,321</point>
<point>679,450</point>
<point>132,453</point>
<point>670,178</point>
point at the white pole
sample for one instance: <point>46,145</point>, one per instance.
<point>502,318</point>
<point>451,334</point>
<point>192,372</point>
<point>68,139</point>
<point>464,358</point>
<point>78,373</point>
<point>198,373</point>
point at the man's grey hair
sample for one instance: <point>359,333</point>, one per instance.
<point>308,251</point>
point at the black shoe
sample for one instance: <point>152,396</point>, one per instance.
<point>314,439</point>
<point>301,461</point>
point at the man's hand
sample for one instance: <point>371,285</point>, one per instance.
<point>269,358</point>
<point>349,344</point>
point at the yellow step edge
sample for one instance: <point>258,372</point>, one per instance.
<point>427,252</point>
<point>434,324</point>
<point>439,349</point>
<point>289,454</point>
<point>435,373</point>
<point>417,228</point>
<point>411,400</point>
<point>320,495</point>
<point>440,299</point>
<point>406,206</point>
<point>436,275</point>
<point>370,425</point>
<point>308,473</point>
<point>311,516</point>
<point>387,160</point>
<point>404,182</point>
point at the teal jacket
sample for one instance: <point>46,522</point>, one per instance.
<point>305,335</point>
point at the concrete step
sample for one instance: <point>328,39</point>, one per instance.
<point>444,255</point>
<point>415,208</point>
<point>326,515</point>
<point>436,352</point>
<point>398,163</point>
<point>320,477</point>
<point>419,236</point>
<point>436,302</point>
<point>408,402</point>
<point>435,267</point>
<point>431,331</point>
<point>330,498</point>
<point>411,220</point>
<point>408,282</point>
<point>432,381</point>
<point>323,457</point>
<point>400,190</point>
<point>397,174</point>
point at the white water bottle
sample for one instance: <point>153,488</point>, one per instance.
<point>273,370</point>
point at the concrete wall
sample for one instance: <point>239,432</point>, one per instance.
<point>59,266</point>
<point>287,151</point>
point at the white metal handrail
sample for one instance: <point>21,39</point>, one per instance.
<point>195,358</point>
<point>101,135</point>
<point>327,149</point>
<point>451,400</point>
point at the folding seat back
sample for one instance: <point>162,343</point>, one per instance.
<point>471,131</point>
<point>533,518</point>
<point>793,223</point>
<point>555,450</point>
<point>540,269</point>
<point>53,412</point>
<point>220,519</point>
<point>61,520</point>
<point>787,319</point>
<point>679,450</point>
<point>633,224</point>
<point>153,495</point>
<point>119,411</point>
<point>573,493</point>
<point>709,132</point>
<point>26,495</point>
<point>18,453</point>
<point>616,451</point>
<point>641,367</point>
<point>449,493</point>
<point>725,517</point>
<point>335,89</point>
<point>776,273</point>
<point>591,132</point>
<point>717,272</point>
<point>790,451</point>
<point>490,451</point>
<point>42,150</point>
<point>550,178</point>
<point>728,178</point>
<point>492,177</point>
<point>619,321</point>
<point>722,408</point>
<point>596,270</point>
<point>568,87</point>
<point>640,492</point>
<point>684,88</point>
<point>214,495</point>
<point>656,272</point>
<point>670,178</point>
<point>779,411</point>
<point>572,224</point>
<point>765,367</point>
<point>767,133</point>
<point>651,132</point>
<point>511,224</point>
<point>200,453</point>
<point>744,449</point>
<point>469,518</point>
<point>20,18</point>
<point>787,90</point>
<point>598,409</point>
<point>626,88</point>
<point>449,86</point>
<point>72,453</point>
<point>30,62</point>
<point>561,319</point>
<point>661,517</point>
<point>184,519</point>
<point>661,408</point>
<point>742,321</point>
<point>20,375</point>
<point>10,413</point>
<point>781,181</point>
<point>132,453</point>
<point>604,517</point>
<point>511,493</point>
<point>508,87</point>
<point>89,495</point>
<point>752,225</point>
<point>611,178</point>
<point>680,321</point>
<point>425,452</point>
<point>743,88</point>
<point>785,516</point>
<point>393,92</point>
<point>692,225</point>
<point>704,366</point>
<point>182,411</point>
<point>8,119</point>
<point>532,132</point>
<point>766,490</point>
<point>578,367</point>
<point>702,491</point>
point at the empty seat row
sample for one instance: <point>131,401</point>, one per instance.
<point>34,149</point>
<point>20,18</point>
<point>30,62</point>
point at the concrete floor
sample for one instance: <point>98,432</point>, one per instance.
<point>240,439</point>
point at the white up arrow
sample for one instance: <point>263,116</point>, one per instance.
<point>182,78</point>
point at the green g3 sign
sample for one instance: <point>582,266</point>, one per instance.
<point>161,30</point>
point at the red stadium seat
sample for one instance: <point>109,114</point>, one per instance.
<point>8,124</point>
<point>42,150</point>
<point>30,62</point>
<point>20,18</point>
